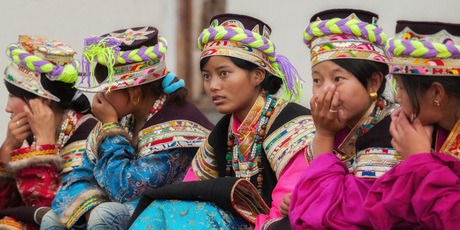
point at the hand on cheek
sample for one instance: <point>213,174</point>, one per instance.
<point>409,138</point>
<point>103,110</point>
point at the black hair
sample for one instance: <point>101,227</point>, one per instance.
<point>271,83</point>
<point>64,91</point>
<point>363,70</point>
<point>153,88</point>
<point>416,86</point>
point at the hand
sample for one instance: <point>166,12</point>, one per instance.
<point>42,122</point>
<point>284,206</point>
<point>327,123</point>
<point>15,136</point>
<point>103,110</point>
<point>409,139</point>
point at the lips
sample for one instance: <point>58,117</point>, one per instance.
<point>217,99</point>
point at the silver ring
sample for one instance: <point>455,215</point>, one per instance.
<point>19,124</point>
<point>332,111</point>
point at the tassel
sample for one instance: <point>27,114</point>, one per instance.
<point>104,50</point>
<point>291,79</point>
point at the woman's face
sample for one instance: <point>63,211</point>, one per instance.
<point>231,88</point>
<point>354,98</point>
<point>120,101</point>
<point>14,105</point>
<point>426,115</point>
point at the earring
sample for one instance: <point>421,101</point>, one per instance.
<point>135,102</point>
<point>436,102</point>
<point>373,96</point>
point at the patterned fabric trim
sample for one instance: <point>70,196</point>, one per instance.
<point>5,174</point>
<point>72,155</point>
<point>287,140</point>
<point>81,205</point>
<point>426,66</point>
<point>247,201</point>
<point>346,46</point>
<point>204,163</point>
<point>171,135</point>
<point>9,223</point>
<point>452,143</point>
<point>24,157</point>
<point>374,162</point>
<point>98,134</point>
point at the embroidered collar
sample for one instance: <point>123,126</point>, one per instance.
<point>371,117</point>
<point>452,142</point>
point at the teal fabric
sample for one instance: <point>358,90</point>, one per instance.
<point>176,214</point>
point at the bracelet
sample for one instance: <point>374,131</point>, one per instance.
<point>35,215</point>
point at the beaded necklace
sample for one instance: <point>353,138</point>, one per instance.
<point>379,105</point>
<point>233,152</point>
<point>157,106</point>
<point>67,127</point>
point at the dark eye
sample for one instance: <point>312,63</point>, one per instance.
<point>316,81</point>
<point>224,73</point>
<point>339,79</point>
<point>206,76</point>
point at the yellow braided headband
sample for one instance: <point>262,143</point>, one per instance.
<point>67,73</point>
<point>253,47</point>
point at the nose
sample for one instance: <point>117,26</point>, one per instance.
<point>8,108</point>
<point>215,83</point>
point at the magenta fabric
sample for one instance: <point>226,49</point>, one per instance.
<point>328,196</point>
<point>288,179</point>
<point>421,192</point>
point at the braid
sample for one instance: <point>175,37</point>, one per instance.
<point>344,26</point>
<point>247,37</point>
<point>422,49</point>
<point>67,73</point>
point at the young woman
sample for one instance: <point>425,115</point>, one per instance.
<point>261,139</point>
<point>147,136</point>
<point>423,192</point>
<point>47,132</point>
<point>351,146</point>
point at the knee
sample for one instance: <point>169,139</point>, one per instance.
<point>110,215</point>
<point>51,221</point>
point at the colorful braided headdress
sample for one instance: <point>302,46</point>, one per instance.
<point>425,48</point>
<point>33,57</point>
<point>248,38</point>
<point>345,33</point>
<point>132,56</point>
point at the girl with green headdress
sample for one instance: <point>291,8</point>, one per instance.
<point>255,154</point>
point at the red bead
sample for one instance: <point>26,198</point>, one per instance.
<point>249,168</point>
<point>159,107</point>
<point>251,160</point>
<point>235,161</point>
<point>372,122</point>
<point>380,104</point>
<point>152,111</point>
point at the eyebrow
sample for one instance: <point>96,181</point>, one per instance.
<point>217,68</point>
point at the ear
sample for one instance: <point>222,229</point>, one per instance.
<point>437,91</point>
<point>46,101</point>
<point>259,75</point>
<point>375,82</point>
<point>134,92</point>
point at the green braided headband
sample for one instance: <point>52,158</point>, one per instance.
<point>99,49</point>
<point>66,74</point>
<point>425,49</point>
<point>344,26</point>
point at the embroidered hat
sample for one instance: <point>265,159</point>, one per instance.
<point>345,33</point>
<point>132,56</point>
<point>248,38</point>
<point>425,48</point>
<point>34,57</point>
